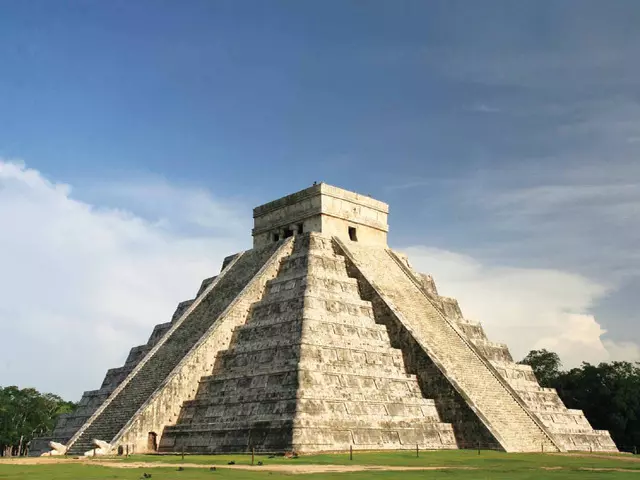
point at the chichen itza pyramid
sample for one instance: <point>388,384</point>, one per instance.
<point>320,338</point>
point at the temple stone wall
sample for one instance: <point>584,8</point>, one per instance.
<point>323,209</point>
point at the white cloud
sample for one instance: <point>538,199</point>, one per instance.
<point>175,207</point>
<point>526,308</point>
<point>80,284</point>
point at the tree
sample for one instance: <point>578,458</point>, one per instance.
<point>26,414</point>
<point>607,393</point>
<point>545,364</point>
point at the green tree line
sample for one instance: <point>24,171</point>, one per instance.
<point>26,414</point>
<point>607,393</point>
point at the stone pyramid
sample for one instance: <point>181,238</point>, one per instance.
<point>320,338</point>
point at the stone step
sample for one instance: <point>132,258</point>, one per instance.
<point>230,392</point>
<point>311,337</point>
<point>307,353</point>
<point>313,261</point>
<point>493,350</point>
<point>338,284</point>
<point>295,307</point>
<point>181,308</point>
<point>335,368</point>
<point>472,330</point>
<point>315,315</point>
<point>291,326</point>
<point>308,421</point>
<point>296,299</point>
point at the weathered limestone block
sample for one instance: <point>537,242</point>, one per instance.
<point>158,333</point>
<point>493,351</point>
<point>181,309</point>
<point>428,284</point>
<point>205,283</point>
<point>473,330</point>
<point>451,308</point>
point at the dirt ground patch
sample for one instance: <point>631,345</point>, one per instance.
<point>593,469</point>
<point>35,460</point>
<point>270,468</point>
<point>285,468</point>
<point>622,458</point>
<point>297,468</point>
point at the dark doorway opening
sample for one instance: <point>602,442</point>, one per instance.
<point>352,234</point>
<point>152,442</point>
<point>288,233</point>
<point>276,237</point>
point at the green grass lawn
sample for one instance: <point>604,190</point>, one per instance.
<point>487,465</point>
<point>469,458</point>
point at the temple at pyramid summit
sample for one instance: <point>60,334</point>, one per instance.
<point>320,338</point>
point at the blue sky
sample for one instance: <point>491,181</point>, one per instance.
<point>504,135</point>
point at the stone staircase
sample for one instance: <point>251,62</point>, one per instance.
<point>148,375</point>
<point>498,406</point>
<point>311,371</point>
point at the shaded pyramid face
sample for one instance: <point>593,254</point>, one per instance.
<point>310,371</point>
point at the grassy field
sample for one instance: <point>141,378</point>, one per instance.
<point>444,465</point>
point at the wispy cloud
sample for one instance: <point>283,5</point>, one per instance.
<point>185,209</point>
